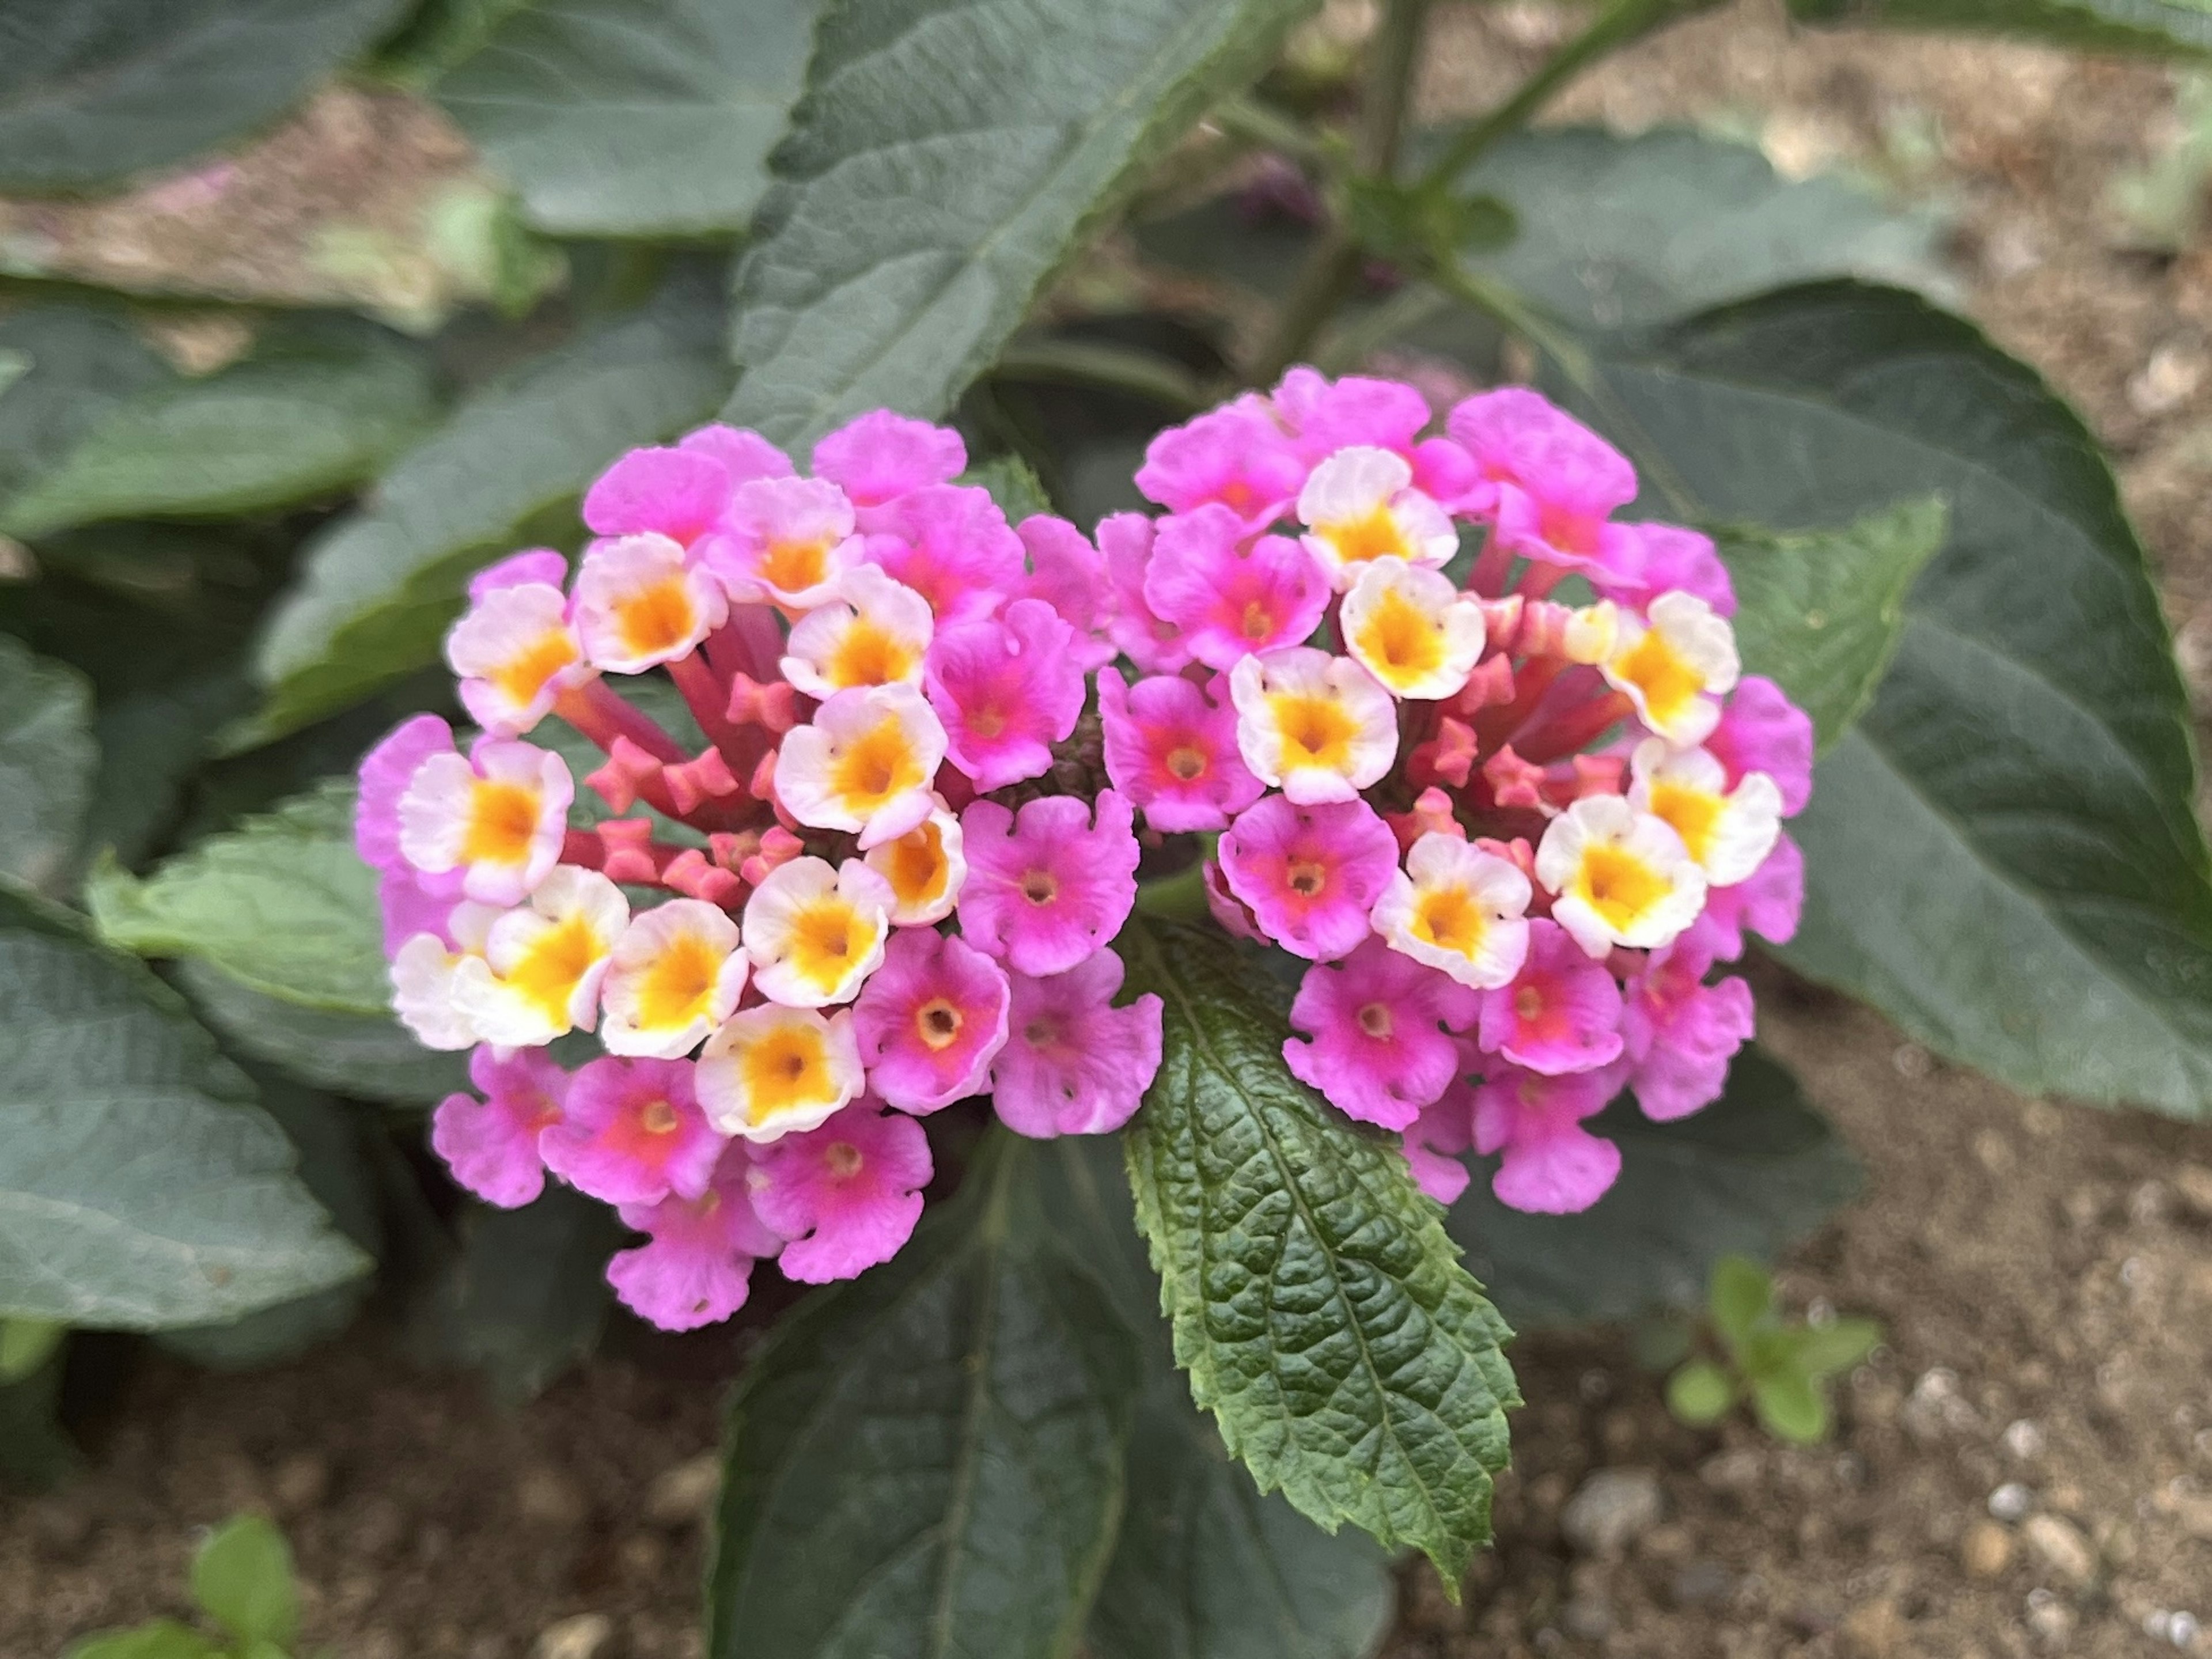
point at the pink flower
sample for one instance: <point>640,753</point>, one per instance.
<point>1074,1063</point>
<point>537,566</point>
<point>1229,600</point>
<point>1553,1166</point>
<point>1237,455</point>
<point>1558,482</point>
<point>1007,687</point>
<point>1171,749</point>
<point>930,1020</point>
<point>632,1133</point>
<point>1670,556</point>
<point>1069,574</point>
<point>1433,1143</point>
<point>784,540</point>
<point>491,1144</point>
<point>1562,1012</point>
<point>880,456</point>
<point>950,544</point>
<point>1358,410</point>
<point>743,454</point>
<point>846,1196</point>
<point>412,901</point>
<point>679,493</point>
<point>1310,874</point>
<point>1760,730</point>
<point>1125,541</point>
<point>1378,1022</point>
<point>697,1263</point>
<point>1766,904</point>
<point>1682,1032</point>
<point>1047,888</point>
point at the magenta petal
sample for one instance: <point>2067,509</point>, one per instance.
<point>491,1144</point>
<point>1551,1165</point>
<point>697,1265</point>
<point>880,455</point>
<point>1310,874</point>
<point>1074,1063</point>
<point>1762,731</point>
<point>930,1020</point>
<point>538,566</point>
<point>1378,1025</point>
<point>1048,888</point>
<point>678,492</point>
<point>1171,747</point>
<point>634,1133</point>
<point>1231,599</point>
<point>1766,902</point>
<point>1561,1013</point>
<point>1007,687</point>
<point>846,1195</point>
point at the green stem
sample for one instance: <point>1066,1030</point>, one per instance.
<point>1250,122</point>
<point>1086,363</point>
<point>1178,897</point>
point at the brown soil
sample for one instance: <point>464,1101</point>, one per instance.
<point>2045,1272</point>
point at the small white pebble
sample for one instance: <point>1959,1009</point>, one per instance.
<point>2011,1502</point>
<point>2023,1439</point>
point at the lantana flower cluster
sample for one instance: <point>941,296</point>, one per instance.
<point>856,893</point>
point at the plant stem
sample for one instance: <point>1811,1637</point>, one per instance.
<point>1333,266</point>
<point>1098,363</point>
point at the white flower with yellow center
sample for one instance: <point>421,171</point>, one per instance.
<point>674,976</point>
<point>814,934</point>
<point>422,976</point>
<point>1676,668</point>
<point>498,816</point>
<point>515,653</point>
<point>1410,628</point>
<point>1729,832</point>
<point>539,975</point>
<point>1621,876</point>
<point>787,541</point>
<point>1319,728</point>
<point>1360,505</point>
<point>771,1071</point>
<point>1459,909</point>
<point>865,763</point>
<point>926,867</point>
<point>638,602</point>
<point>874,632</point>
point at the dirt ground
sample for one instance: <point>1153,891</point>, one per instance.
<point>2025,1467</point>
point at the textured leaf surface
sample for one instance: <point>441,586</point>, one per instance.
<point>140,1185</point>
<point>1752,1173</point>
<point>317,409</point>
<point>47,759</point>
<point>2178,28</point>
<point>943,162</point>
<point>376,591</point>
<point>283,905</point>
<point>79,366</point>
<point>632,117</point>
<point>2003,854</point>
<point>527,1296</point>
<point>370,1057</point>
<point>91,90</point>
<point>1821,610</point>
<point>1320,1308</point>
<point>927,1461</point>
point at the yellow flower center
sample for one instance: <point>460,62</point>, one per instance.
<point>1694,814</point>
<point>1449,918</point>
<point>1658,670</point>
<point>877,766</point>
<point>1374,537</point>
<point>936,1023</point>
<point>869,655</point>
<point>1618,884</point>
<point>554,962</point>
<point>1315,730</point>
<point>1400,640</point>
<point>657,618</point>
<point>523,676</point>
<point>502,818</point>
<point>827,938</point>
<point>791,566</point>
<point>786,1070</point>
<point>678,986</point>
<point>916,867</point>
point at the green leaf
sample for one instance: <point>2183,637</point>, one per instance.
<point>927,1461</point>
<point>1627,231</point>
<point>1700,1394</point>
<point>370,1057</point>
<point>942,163</point>
<point>282,904</point>
<point>635,117</point>
<point>1742,1298</point>
<point>93,90</point>
<point>1013,485</point>
<point>377,590</point>
<point>1825,1350</point>
<point>83,366</point>
<point>2166,29</point>
<point>242,1578</point>
<point>2003,854</point>
<point>1321,1312</point>
<point>528,1297</point>
<point>27,1344</point>
<point>47,760</point>
<point>164,1639</point>
<point>1792,1407</point>
<point>318,407</point>
<point>1754,1171</point>
<point>140,1185</point>
<point>1821,610</point>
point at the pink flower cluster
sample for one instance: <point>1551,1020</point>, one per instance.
<point>842,902</point>
<point>1514,834</point>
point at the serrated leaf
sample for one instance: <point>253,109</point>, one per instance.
<point>942,163</point>
<point>2164,29</point>
<point>927,1461</point>
<point>318,407</point>
<point>2003,854</point>
<point>242,1576</point>
<point>377,590</point>
<point>1821,610</point>
<point>634,118</point>
<point>1320,1308</point>
<point>1699,1394</point>
<point>370,1057</point>
<point>1754,1171</point>
<point>140,1185</point>
<point>93,90</point>
<point>526,1296</point>
<point>47,759</point>
<point>282,904</point>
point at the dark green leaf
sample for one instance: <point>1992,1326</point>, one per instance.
<point>528,1295</point>
<point>370,1057</point>
<point>1321,1312</point>
<point>1012,485</point>
<point>36,1453</point>
<point>2003,854</point>
<point>282,904</point>
<point>1742,1297</point>
<point>635,117</point>
<point>1752,1173</point>
<point>163,1638</point>
<point>942,164</point>
<point>317,408</point>
<point>242,1576</point>
<point>83,366</point>
<point>1822,609</point>
<point>91,90</point>
<point>47,759</point>
<point>140,1185</point>
<point>1700,1393</point>
<point>1791,1406</point>
<point>1400,221</point>
<point>377,590</point>
<point>2171,28</point>
<point>927,1461</point>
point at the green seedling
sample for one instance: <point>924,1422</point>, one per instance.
<point>1782,1367</point>
<point>242,1582</point>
